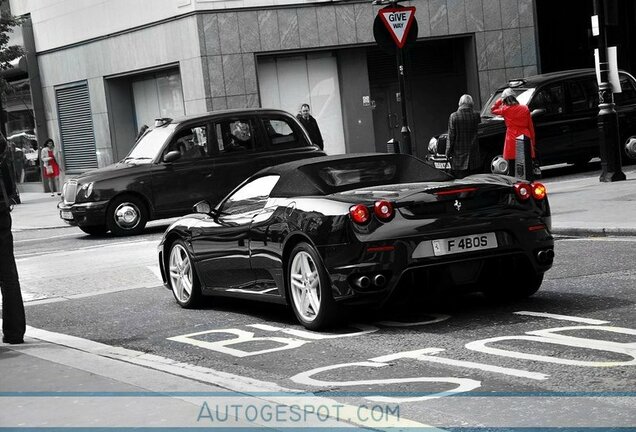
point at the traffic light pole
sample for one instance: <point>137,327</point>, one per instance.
<point>611,169</point>
<point>406,132</point>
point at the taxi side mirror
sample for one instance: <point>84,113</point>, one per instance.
<point>172,156</point>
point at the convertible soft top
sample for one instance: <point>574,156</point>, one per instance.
<point>331,174</point>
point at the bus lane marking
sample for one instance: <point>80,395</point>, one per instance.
<point>562,317</point>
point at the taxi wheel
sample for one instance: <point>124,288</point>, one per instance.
<point>182,278</point>
<point>95,229</point>
<point>126,215</point>
<point>309,288</point>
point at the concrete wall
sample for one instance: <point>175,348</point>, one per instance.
<point>504,35</point>
<point>174,42</point>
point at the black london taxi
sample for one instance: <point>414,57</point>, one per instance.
<point>564,108</point>
<point>180,162</point>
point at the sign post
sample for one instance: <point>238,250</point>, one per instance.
<point>398,20</point>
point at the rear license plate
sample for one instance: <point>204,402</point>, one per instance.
<point>66,215</point>
<point>467,243</point>
<point>441,165</point>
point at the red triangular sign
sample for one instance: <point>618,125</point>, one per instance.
<point>398,21</point>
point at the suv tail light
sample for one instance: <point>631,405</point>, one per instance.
<point>383,210</point>
<point>359,214</point>
<point>539,191</point>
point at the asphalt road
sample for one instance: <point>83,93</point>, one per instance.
<point>500,357</point>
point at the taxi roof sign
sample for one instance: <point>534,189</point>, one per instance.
<point>398,21</point>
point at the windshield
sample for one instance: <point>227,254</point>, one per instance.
<point>149,146</point>
<point>523,95</point>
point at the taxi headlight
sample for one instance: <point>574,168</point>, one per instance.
<point>88,189</point>
<point>432,145</point>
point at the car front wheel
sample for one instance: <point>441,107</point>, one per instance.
<point>126,215</point>
<point>310,288</point>
<point>182,277</point>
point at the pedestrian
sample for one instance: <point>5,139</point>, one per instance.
<point>463,146</point>
<point>51,167</point>
<point>13,319</point>
<point>311,125</point>
<point>518,122</point>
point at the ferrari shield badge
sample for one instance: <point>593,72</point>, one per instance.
<point>457,205</point>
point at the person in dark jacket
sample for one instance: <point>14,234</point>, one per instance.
<point>310,125</point>
<point>463,147</point>
<point>13,319</point>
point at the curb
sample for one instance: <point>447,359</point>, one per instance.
<point>595,232</point>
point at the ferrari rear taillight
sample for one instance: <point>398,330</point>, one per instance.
<point>359,214</point>
<point>523,191</point>
<point>526,190</point>
<point>538,191</point>
<point>383,210</point>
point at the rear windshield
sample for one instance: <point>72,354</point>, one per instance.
<point>340,175</point>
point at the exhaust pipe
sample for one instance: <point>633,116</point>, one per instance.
<point>545,256</point>
<point>379,280</point>
<point>363,282</point>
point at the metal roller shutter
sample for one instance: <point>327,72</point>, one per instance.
<point>76,128</point>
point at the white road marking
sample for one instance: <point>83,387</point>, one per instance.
<point>462,384</point>
<point>562,317</point>
<point>364,329</point>
<point>549,336</point>
<point>225,380</point>
<point>46,238</point>
<point>437,318</point>
<point>428,354</point>
<point>600,239</point>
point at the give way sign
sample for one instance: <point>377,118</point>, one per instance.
<point>398,21</point>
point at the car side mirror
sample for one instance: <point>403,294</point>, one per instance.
<point>172,156</point>
<point>201,207</point>
<point>537,112</point>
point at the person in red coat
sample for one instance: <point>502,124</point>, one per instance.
<point>51,168</point>
<point>518,122</point>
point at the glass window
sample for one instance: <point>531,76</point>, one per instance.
<point>280,133</point>
<point>591,92</point>
<point>627,96</point>
<point>550,99</point>
<point>578,99</point>
<point>251,197</point>
<point>236,135</point>
<point>523,95</point>
<point>147,148</point>
<point>191,142</point>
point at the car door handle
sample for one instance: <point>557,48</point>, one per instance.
<point>210,175</point>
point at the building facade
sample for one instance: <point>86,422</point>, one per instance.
<point>107,68</point>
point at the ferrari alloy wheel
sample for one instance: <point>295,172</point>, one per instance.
<point>127,215</point>
<point>311,297</point>
<point>181,276</point>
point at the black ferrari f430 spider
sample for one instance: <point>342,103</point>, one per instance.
<point>347,230</point>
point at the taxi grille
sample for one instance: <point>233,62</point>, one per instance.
<point>70,191</point>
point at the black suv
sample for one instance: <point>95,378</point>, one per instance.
<point>564,107</point>
<point>180,162</point>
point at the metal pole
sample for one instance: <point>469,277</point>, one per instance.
<point>611,169</point>
<point>406,132</point>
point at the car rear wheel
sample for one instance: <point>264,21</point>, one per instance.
<point>95,229</point>
<point>182,277</point>
<point>309,288</point>
<point>127,215</point>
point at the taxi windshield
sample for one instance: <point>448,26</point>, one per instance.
<point>149,145</point>
<point>523,95</point>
